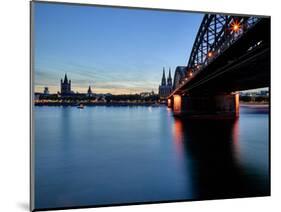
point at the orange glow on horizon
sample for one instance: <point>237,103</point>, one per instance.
<point>116,91</point>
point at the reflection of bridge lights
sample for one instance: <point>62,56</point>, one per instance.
<point>178,136</point>
<point>237,107</point>
<point>169,103</point>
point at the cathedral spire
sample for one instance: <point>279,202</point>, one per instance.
<point>169,80</point>
<point>65,86</point>
<point>65,78</point>
<point>89,90</point>
<point>170,73</point>
<point>163,77</point>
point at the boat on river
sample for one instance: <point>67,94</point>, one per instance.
<point>80,106</point>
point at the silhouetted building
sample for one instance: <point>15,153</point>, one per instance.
<point>37,96</point>
<point>46,91</point>
<point>166,86</point>
<point>65,86</point>
<point>169,80</point>
<point>89,92</point>
<point>147,94</point>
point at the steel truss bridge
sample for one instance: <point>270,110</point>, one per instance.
<point>230,53</point>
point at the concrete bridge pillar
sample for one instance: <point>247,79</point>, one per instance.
<point>225,105</point>
<point>177,104</point>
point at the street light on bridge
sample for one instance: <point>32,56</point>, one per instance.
<point>210,54</point>
<point>235,26</point>
<point>190,73</point>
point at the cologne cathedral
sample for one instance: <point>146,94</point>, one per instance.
<point>166,85</point>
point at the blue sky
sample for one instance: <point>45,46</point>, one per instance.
<point>113,50</point>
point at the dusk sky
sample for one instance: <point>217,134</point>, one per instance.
<point>114,50</point>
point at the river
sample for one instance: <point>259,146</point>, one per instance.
<point>117,155</point>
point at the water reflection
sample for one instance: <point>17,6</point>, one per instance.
<point>178,136</point>
<point>91,156</point>
<point>212,146</point>
<point>235,139</point>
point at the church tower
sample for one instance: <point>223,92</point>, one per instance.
<point>163,78</point>
<point>65,86</point>
<point>89,92</point>
<point>169,80</point>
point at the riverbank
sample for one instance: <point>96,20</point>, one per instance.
<point>254,103</point>
<point>153,104</point>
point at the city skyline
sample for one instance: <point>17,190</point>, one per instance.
<point>92,87</point>
<point>114,50</point>
<point>74,90</point>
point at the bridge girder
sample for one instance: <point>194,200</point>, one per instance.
<point>216,33</point>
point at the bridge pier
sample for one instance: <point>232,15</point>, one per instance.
<point>223,105</point>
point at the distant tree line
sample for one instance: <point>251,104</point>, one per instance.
<point>107,98</point>
<point>131,97</point>
<point>73,97</point>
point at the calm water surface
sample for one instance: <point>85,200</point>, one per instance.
<point>106,155</point>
